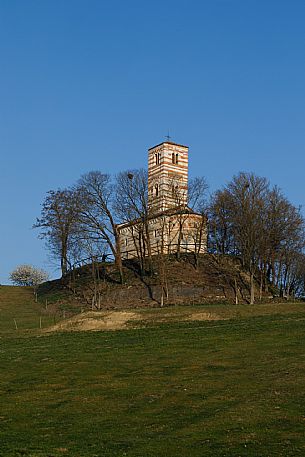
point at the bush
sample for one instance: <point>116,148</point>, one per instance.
<point>27,275</point>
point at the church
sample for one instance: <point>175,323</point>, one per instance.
<point>170,226</point>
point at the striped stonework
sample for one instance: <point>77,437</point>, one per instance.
<point>171,225</point>
<point>168,233</point>
<point>167,176</point>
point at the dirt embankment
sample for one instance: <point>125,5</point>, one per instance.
<point>213,280</point>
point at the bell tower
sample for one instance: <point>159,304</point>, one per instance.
<point>167,176</point>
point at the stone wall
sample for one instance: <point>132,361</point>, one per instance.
<point>167,234</point>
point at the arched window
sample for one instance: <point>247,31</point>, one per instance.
<point>174,158</point>
<point>157,158</point>
<point>157,190</point>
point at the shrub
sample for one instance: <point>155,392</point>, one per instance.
<point>27,275</point>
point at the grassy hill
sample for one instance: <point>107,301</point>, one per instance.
<point>18,308</point>
<point>231,387</point>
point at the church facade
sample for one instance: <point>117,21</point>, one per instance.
<point>170,226</point>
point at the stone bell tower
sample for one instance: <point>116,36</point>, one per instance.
<point>167,176</point>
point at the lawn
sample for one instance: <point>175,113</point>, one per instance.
<point>221,388</point>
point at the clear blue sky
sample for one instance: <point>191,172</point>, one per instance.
<point>91,84</point>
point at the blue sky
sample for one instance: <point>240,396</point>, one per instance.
<point>89,84</point>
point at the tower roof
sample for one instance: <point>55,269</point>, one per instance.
<point>168,142</point>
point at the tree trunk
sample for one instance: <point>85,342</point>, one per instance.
<point>64,255</point>
<point>118,257</point>
<point>251,288</point>
<point>236,291</point>
<point>63,266</point>
<point>261,286</point>
<point>148,244</point>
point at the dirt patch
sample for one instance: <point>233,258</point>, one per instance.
<point>117,320</point>
<point>204,317</point>
<point>112,320</point>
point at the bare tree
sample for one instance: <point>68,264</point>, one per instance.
<point>260,225</point>
<point>297,276</point>
<point>198,234</point>
<point>58,225</point>
<point>221,239</point>
<point>186,202</point>
<point>198,202</point>
<point>162,246</point>
<point>240,208</point>
<point>96,214</point>
<point>291,251</point>
<point>132,207</point>
<point>197,194</point>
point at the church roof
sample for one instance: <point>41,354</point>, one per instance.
<point>168,142</point>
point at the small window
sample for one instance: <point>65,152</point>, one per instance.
<point>174,158</point>
<point>126,242</point>
<point>155,233</point>
<point>157,158</point>
<point>157,190</point>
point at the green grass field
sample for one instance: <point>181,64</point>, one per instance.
<point>222,388</point>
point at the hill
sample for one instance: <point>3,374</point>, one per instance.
<point>229,384</point>
<point>215,279</point>
<point>19,311</point>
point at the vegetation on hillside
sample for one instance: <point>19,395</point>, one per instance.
<point>210,279</point>
<point>247,219</point>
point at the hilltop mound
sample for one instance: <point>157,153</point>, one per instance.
<point>214,280</point>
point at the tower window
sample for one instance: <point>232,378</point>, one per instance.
<point>174,158</point>
<point>157,158</point>
<point>157,190</point>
